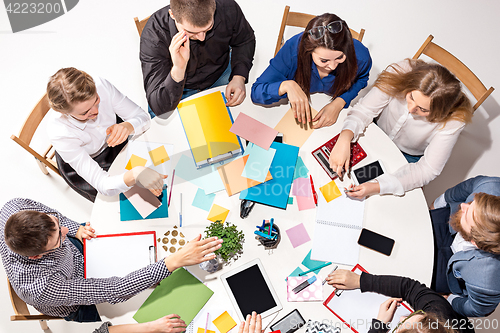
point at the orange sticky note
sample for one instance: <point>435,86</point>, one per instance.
<point>330,191</point>
<point>202,330</point>
<point>217,213</point>
<point>224,322</point>
<point>159,155</point>
<point>135,161</point>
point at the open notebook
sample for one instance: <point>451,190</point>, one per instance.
<point>337,228</point>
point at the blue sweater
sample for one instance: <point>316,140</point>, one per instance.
<point>284,65</point>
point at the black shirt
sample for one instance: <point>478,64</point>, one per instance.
<point>207,60</point>
<point>417,295</point>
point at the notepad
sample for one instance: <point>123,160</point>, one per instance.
<point>118,254</point>
<point>337,228</point>
<point>180,293</point>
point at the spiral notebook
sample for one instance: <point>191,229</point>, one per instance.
<point>337,228</point>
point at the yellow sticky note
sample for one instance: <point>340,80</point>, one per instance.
<point>224,322</point>
<point>217,213</point>
<point>135,161</point>
<point>202,330</point>
<point>159,155</point>
<point>330,191</point>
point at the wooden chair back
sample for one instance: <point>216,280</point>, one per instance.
<point>140,24</point>
<point>459,69</point>
<point>295,19</point>
<point>26,135</point>
<point>22,312</point>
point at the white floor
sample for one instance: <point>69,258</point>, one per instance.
<point>100,37</point>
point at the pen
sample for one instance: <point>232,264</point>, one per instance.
<point>333,270</point>
<point>180,213</point>
<point>315,195</point>
<point>271,226</point>
<point>206,324</point>
<point>350,189</point>
<point>304,284</point>
<point>315,268</point>
<point>171,188</point>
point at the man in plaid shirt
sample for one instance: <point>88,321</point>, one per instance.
<point>44,266</point>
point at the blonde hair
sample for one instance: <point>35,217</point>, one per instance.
<point>69,86</point>
<point>486,231</point>
<point>448,101</point>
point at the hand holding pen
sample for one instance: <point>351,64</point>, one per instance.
<point>343,279</point>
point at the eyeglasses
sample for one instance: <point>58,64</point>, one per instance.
<point>411,315</point>
<point>57,216</point>
<point>334,27</point>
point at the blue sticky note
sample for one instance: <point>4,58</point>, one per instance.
<point>309,263</point>
<point>296,272</point>
<point>258,163</point>
<point>275,192</point>
<point>202,200</point>
<point>128,211</point>
<point>301,170</point>
<point>290,200</point>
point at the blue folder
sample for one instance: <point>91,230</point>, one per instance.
<point>275,192</point>
<point>128,212</point>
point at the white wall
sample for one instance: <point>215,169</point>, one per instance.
<point>100,37</point>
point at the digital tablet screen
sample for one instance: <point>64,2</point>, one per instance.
<point>251,291</point>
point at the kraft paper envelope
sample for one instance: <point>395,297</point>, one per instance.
<point>294,134</point>
<point>232,179</point>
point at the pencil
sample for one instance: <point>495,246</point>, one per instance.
<point>333,270</point>
<point>315,268</point>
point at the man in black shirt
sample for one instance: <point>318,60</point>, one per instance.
<point>193,45</point>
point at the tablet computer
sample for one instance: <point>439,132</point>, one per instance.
<point>250,289</point>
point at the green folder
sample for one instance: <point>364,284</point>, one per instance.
<point>180,293</point>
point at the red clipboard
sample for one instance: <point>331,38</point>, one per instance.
<point>119,250</point>
<point>322,155</point>
<point>348,324</point>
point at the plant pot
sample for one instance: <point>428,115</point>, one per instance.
<point>211,266</point>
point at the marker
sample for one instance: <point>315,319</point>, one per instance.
<point>271,226</point>
<point>315,268</point>
<point>315,195</point>
<point>180,213</point>
<point>304,284</point>
<point>333,270</point>
<point>171,188</point>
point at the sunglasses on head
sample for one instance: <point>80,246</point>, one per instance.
<point>334,27</point>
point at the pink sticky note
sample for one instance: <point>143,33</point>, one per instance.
<point>298,235</point>
<point>253,131</point>
<point>305,202</point>
<point>302,187</point>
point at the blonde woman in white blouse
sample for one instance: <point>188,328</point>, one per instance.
<point>87,133</point>
<point>422,108</point>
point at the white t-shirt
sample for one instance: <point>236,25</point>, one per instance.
<point>78,141</point>
<point>412,134</point>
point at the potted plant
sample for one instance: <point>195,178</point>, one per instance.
<point>233,239</point>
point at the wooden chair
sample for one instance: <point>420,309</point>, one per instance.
<point>23,313</point>
<point>462,72</point>
<point>141,24</point>
<point>301,20</point>
<point>28,130</point>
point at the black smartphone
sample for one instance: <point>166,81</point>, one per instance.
<point>368,172</point>
<point>375,241</point>
<point>289,323</point>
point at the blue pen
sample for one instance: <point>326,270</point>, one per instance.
<point>263,235</point>
<point>271,225</point>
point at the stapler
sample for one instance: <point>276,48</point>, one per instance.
<point>246,207</point>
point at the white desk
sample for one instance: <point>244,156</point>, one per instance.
<point>405,219</point>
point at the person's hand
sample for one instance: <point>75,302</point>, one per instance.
<point>235,91</point>
<point>194,252</point>
<point>328,115</point>
<point>86,232</point>
<point>298,100</point>
<point>253,324</point>
<point>179,52</point>
<point>118,133</point>
<point>387,310</point>
<point>343,279</point>
<point>149,178</point>
<point>364,190</point>
<point>340,157</point>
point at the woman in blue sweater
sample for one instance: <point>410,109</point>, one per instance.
<point>324,58</point>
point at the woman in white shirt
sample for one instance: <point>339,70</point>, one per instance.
<point>87,134</point>
<point>422,108</point>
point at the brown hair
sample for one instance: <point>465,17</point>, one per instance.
<point>69,86</point>
<point>486,231</point>
<point>27,232</point>
<point>448,102</point>
<point>196,12</point>
<point>429,323</point>
<point>345,72</point>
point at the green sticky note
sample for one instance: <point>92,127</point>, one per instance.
<point>296,272</point>
<point>180,293</point>
<point>311,264</point>
<point>202,200</point>
<point>290,200</point>
<point>301,170</point>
